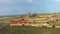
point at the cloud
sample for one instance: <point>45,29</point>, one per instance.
<point>57,0</point>
<point>30,1</point>
<point>10,1</point>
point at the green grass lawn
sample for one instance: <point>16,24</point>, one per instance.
<point>31,30</point>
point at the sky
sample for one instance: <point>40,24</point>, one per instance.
<point>14,7</point>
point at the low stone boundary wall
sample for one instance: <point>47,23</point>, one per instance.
<point>57,26</point>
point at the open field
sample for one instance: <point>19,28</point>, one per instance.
<point>30,30</point>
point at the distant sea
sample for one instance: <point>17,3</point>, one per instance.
<point>7,16</point>
<point>25,14</point>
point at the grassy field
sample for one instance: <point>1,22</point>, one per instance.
<point>26,29</point>
<point>31,30</point>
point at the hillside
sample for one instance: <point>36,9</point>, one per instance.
<point>31,30</point>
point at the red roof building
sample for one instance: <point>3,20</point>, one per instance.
<point>19,23</point>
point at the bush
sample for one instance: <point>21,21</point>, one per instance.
<point>23,25</point>
<point>44,26</point>
<point>53,26</point>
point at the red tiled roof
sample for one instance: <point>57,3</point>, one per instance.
<point>19,22</point>
<point>13,22</point>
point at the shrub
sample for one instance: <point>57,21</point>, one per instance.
<point>44,26</point>
<point>53,26</point>
<point>23,25</point>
